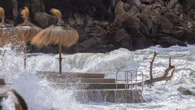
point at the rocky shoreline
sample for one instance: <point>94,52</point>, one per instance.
<point>105,25</point>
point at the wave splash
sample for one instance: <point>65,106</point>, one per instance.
<point>40,96</point>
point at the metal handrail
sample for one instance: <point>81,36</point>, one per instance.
<point>127,80</point>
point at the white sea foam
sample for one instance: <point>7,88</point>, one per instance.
<point>40,96</point>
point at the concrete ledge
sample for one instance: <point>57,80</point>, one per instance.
<point>109,95</point>
<point>92,85</point>
<point>80,80</point>
<point>70,75</point>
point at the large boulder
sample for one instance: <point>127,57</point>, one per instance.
<point>122,38</point>
<point>141,42</point>
<point>37,6</point>
<point>43,19</point>
<point>189,36</point>
<point>89,43</point>
<point>167,41</point>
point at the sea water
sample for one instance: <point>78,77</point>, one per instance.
<point>39,95</point>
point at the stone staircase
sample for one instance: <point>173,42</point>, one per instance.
<point>93,87</point>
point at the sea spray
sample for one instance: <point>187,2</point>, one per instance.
<point>163,95</point>
<point>8,103</point>
<point>40,96</point>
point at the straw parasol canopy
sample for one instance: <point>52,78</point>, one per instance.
<point>2,15</point>
<point>56,34</point>
<point>59,34</point>
<point>26,31</point>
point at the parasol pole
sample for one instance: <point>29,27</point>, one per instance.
<point>60,58</point>
<point>3,20</point>
<point>24,46</point>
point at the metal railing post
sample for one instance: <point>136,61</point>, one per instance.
<point>116,79</point>
<point>131,81</point>
<point>142,82</point>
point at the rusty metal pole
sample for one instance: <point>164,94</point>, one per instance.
<point>24,55</point>
<point>136,79</point>
<point>117,78</point>
<point>60,58</point>
<point>142,82</point>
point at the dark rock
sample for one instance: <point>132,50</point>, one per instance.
<point>37,6</point>
<point>141,42</point>
<point>48,49</point>
<point>165,25</point>
<point>132,25</point>
<point>147,1</point>
<point>189,36</point>
<point>167,41</point>
<point>123,39</point>
<point>185,91</point>
<point>44,20</point>
<point>105,25</point>
<point>89,43</point>
<point>189,4</point>
<point>120,35</point>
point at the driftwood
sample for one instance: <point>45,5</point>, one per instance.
<point>164,77</point>
<point>151,66</point>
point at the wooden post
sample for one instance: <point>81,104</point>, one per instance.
<point>169,61</point>
<point>60,58</point>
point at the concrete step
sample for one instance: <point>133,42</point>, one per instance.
<point>71,75</point>
<point>109,95</point>
<point>92,85</point>
<point>80,80</point>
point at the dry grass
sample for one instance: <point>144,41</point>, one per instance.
<point>56,35</point>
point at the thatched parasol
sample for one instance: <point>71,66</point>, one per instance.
<point>6,30</point>
<point>26,31</point>
<point>60,34</point>
<point>2,15</point>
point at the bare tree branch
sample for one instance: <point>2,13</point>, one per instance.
<point>151,66</point>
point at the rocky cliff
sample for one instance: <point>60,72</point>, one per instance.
<point>104,25</point>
